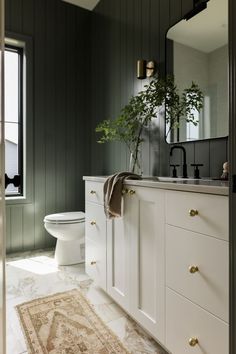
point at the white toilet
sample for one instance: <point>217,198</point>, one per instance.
<point>69,229</point>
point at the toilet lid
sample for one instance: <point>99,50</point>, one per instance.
<point>75,216</point>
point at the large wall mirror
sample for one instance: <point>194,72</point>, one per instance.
<point>197,51</point>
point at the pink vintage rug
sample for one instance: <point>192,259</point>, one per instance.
<point>65,323</point>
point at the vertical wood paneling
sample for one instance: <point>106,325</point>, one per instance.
<point>84,71</point>
<point>93,111</point>
<point>147,23</point>
<point>202,156</point>
<point>40,120</point>
<point>218,155</point>
<point>164,25</point>
<point>70,109</point>
<point>16,16</point>
<point>175,11</point>
<point>57,120</point>
<point>137,38</point>
<point>17,229</point>
<point>8,228</point>
<point>155,53</point>
<point>145,54</point>
<point>82,129</point>
<point>28,224</point>
<point>116,84</point>
<point>124,64</point>
<point>187,6</point>
<point>27,16</point>
<point>7,13</point>
<point>50,118</point>
<point>190,157</point>
<point>60,108</point>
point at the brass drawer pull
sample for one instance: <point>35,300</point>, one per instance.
<point>93,262</point>
<point>193,341</point>
<point>193,269</point>
<point>128,191</point>
<point>131,192</point>
<point>193,212</point>
<point>92,192</point>
<point>93,222</point>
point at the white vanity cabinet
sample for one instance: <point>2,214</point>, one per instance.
<point>95,235</point>
<point>165,262</point>
<point>134,249</point>
<point>197,276</point>
<point>147,254</point>
<point>135,258</point>
<point>118,256</point>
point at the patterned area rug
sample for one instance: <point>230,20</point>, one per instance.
<point>65,323</point>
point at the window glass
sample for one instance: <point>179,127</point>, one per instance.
<point>13,116</point>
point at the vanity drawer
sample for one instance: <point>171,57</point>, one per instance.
<point>95,225</point>
<point>94,192</point>
<point>212,217</point>
<point>208,285</point>
<point>185,321</point>
<point>95,262</point>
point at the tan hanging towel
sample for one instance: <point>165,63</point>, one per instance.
<point>112,190</point>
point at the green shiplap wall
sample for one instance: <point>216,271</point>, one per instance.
<point>122,32</point>
<point>84,71</point>
<point>59,119</point>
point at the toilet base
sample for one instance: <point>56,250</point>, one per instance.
<point>69,252</point>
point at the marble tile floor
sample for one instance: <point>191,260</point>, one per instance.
<point>35,274</point>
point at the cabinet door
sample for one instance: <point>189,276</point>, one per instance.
<point>209,285</point>
<point>186,321</point>
<point>147,259</point>
<point>95,262</point>
<point>95,243</point>
<point>118,257</point>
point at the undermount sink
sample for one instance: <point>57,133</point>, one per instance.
<point>175,179</point>
<point>169,179</point>
<point>190,180</point>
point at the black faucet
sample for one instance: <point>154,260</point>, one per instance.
<point>185,173</point>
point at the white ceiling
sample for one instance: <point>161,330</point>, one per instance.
<point>86,4</point>
<point>206,31</point>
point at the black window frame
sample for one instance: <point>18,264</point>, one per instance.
<point>20,52</point>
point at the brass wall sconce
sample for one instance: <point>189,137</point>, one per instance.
<point>145,69</point>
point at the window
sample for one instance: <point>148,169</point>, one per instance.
<point>14,117</point>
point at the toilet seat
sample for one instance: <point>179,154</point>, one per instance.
<point>65,218</point>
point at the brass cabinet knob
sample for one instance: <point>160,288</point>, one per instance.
<point>193,341</point>
<point>93,262</point>
<point>93,222</point>
<point>193,269</point>
<point>193,212</point>
<point>128,191</point>
<point>131,192</point>
<point>92,192</point>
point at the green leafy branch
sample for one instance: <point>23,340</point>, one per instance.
<point>142,108</point>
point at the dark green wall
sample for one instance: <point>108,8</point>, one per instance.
<point>68,101</point>
<point>58,140</point>
<point>122,32</point>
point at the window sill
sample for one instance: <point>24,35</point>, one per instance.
<point>17,200</point>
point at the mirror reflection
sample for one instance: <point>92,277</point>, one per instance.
<point>197,51</point>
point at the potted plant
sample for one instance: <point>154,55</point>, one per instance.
<point>142,108</point>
